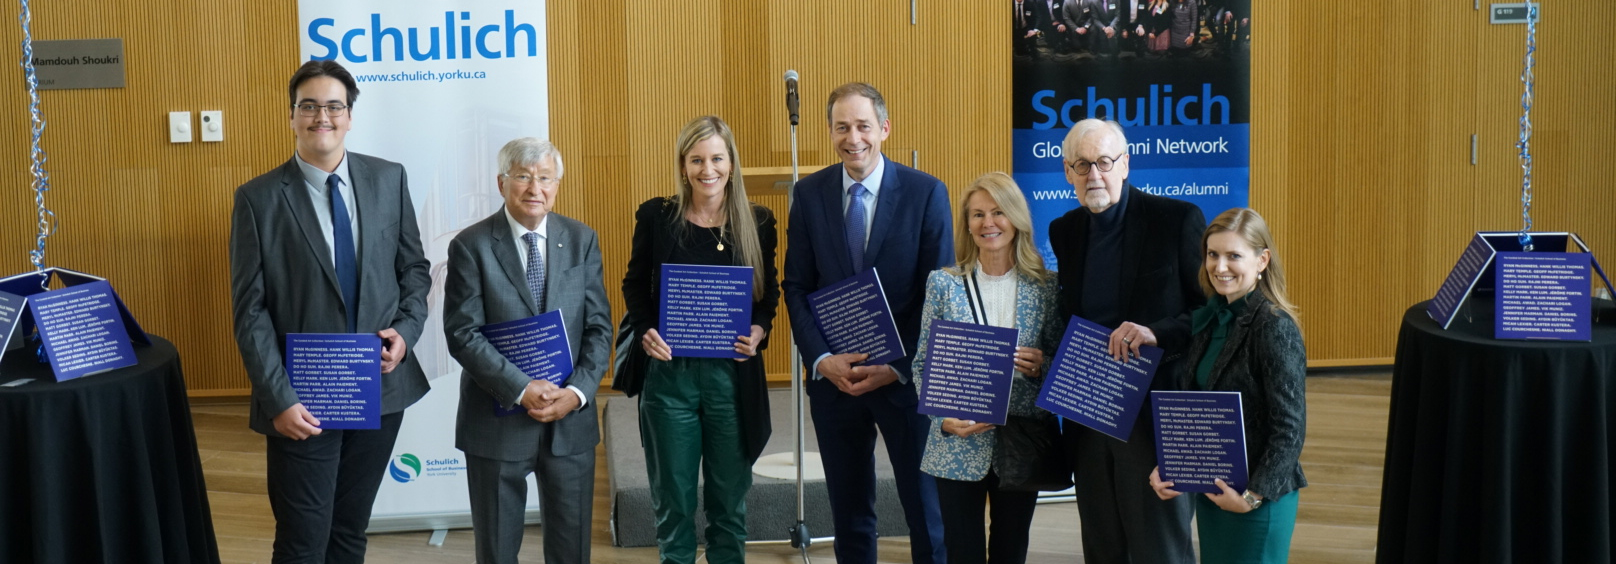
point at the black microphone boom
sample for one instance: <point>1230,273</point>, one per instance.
<point>791,95</point>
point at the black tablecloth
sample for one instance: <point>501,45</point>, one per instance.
<point>102,468</point>
<point>1498,451</point>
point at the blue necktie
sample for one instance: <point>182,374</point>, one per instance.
<point>855,226</point>
<point>342,237</point>
<point>535,270</point>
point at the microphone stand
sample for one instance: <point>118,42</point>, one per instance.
<point>800,538</point>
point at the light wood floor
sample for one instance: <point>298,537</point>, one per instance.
<point>1343,457</point>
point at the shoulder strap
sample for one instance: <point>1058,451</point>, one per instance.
<point>973,296</point>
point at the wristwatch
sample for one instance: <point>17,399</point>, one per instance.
<point>1252,500</point>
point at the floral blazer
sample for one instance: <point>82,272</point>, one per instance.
<point>1037,318</point>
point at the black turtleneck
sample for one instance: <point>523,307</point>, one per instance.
<point>1101,266</point>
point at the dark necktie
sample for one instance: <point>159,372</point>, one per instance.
<point>855,226</point>
<point>535,270</point>
<point>342,237</point>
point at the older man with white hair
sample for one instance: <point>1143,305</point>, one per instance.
<point>1128,261</point>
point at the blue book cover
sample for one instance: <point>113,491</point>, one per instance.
<point>1543,296</point>
<point>537,345</point>
<point>704,309</point>
<point>854,317</point>
<point>337,377</point>
<point>1200,436</point>
<point>82,330</point>
<point>12,307</point>
<point>968,371</point>
<point>1456,288</point>
<point>1086,385</point>
<point>20,287</point>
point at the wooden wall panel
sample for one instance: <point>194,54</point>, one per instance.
<point>151,216</point>
<point>1362,118</point>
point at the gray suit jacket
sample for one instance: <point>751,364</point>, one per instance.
<point>486,284</point>
<point>282,279</point>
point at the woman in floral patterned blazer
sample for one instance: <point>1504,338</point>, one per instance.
<point>998,279</point>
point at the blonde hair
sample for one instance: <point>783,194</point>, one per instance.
<point>1249,225</point>
<point>1007,195</point>
<point>738,216</point>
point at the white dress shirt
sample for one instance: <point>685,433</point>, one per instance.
<point>518,231</point>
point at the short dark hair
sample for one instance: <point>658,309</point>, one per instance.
<point>858,89</point>
<point>316,69</point>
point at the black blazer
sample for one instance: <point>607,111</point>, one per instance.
<point>1161,255</point>
<point>652,245</point>
<point>1265,360</point>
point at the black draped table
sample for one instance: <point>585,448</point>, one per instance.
<point>102,468</point>
<point>1498,451</point>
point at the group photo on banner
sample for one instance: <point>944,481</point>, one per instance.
<point>1176,74</point>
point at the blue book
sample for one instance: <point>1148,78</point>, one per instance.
<point>88,329</point>
<point>81,330</point>
<point>968,371</point>
<point>1543,296</point>
<point>854,317</point>
<point>337,377</point>
<point>1086,385</point>
<point>705,309</point>
<point>1477,257</point>
<point>1200,437</point>
<point>537,345</point>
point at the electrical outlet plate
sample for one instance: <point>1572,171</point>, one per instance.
<point>179,127</point>
<point>212,126</point>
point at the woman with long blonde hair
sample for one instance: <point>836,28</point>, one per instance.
<point>707,415</point>
<point>998,279</point>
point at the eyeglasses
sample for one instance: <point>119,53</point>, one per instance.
<point>1081,167</point>
<point>526,179</point>
<point>312,110</point>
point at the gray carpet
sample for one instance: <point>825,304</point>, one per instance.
<point>771,505</point>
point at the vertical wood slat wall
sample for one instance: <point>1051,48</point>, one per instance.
<point>1361,135</point>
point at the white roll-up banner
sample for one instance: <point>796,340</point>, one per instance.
<point>443,85</point>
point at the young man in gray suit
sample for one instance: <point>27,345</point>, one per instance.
<point>326,243</point>
<point>522,261</point>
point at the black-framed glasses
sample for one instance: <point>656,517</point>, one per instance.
<point>526,179</point>
<point>1105,164</point>
<point>310,110</point>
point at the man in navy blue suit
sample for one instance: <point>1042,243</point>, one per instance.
<point>867,212</point>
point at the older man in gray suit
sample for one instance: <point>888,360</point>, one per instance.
<point>522,261</point>
<point>325,243</point>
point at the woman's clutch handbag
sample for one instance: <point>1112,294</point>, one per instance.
<point>1030,457</point>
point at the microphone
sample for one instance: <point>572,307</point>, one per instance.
<point>791,95</point>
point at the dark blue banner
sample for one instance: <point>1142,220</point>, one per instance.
<point>1177,83</point>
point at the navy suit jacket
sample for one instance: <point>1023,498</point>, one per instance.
<point>911,236</point>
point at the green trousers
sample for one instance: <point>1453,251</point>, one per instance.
<point>1257,537</point>
<point>688,420</point>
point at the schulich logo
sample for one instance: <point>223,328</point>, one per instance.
<point>405,467</point>
<point>459,37</point>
